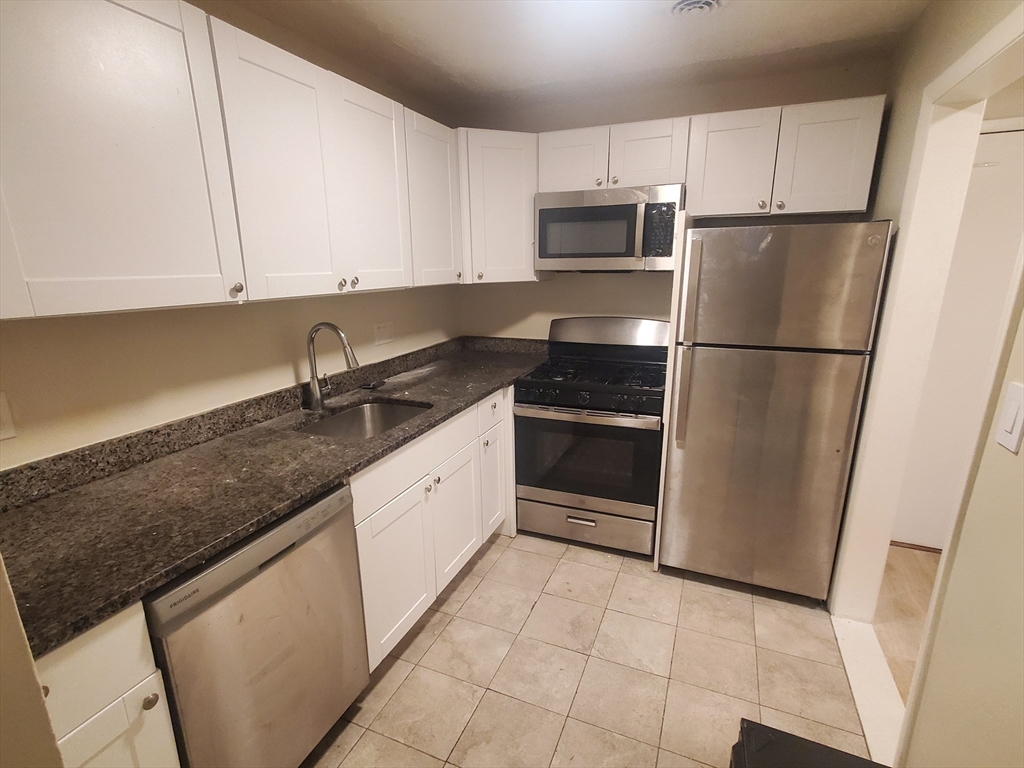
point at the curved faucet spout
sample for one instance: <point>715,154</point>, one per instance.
<point>316,399</point>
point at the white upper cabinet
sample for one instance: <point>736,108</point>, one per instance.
<point>651,152</point>
<point>367,186</point>
<point>827,155</point>
<point>626,155</point>
<point>732,162</point>
<point>434,207</point>
<point>113,169</point>
<point>273,105</point>
<point>499,182</point>
<point>574,159</point>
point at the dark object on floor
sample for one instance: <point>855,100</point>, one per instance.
<point>763,747</point>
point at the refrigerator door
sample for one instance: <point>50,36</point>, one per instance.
<point>759,464</point>
<point>802,286</point>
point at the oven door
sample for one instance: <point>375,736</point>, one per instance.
<point>581,231</point>
<point>585,460</point>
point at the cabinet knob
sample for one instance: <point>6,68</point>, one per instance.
<point>238,288</point>
<point>615,179</point>
<point>599,182</point>
<point>494,406</point>
<point>46,691</point>
<point>762,204</point>
<point>486,443</point>
<point>342,283</point>
<point>458,275</point>
<point>355,281</point>
<point>437,480</point>
<point>429,488</point>
<point>150,701</point>
<point>780,205</point>
<point>479,275</point>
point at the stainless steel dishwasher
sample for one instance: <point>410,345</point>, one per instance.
<point>265,648</point>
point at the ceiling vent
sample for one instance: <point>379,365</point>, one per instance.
<point>695,7</point>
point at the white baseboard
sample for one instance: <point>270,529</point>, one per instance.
<point>878,701</point>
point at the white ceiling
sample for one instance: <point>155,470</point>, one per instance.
<point>455,51</point>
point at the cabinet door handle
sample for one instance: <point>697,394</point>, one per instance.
<point>486,443</point>
<point>615,179</point>
<point>429,488</point>
<point>437,480</point>
<point>494,406</point>
<point>479,275</point>
<point>458,276</point>
<point>599,182</point>
<point>355,281</point>
<point>762,204</point>
<point>150,701</point>
<point>238,288</point>
<point>780,205</point>
<point>342,283</point>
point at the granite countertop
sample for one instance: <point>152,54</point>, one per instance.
<point>78,557</point>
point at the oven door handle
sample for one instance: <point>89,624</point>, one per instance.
<point>630,421</point>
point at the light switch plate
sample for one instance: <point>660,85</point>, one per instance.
<point>6,422</point>
<point>383,333</point>
<point>1010,424</point>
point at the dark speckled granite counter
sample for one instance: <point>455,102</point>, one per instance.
<point>81,555</point>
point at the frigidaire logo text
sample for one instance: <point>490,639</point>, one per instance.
<point>184,597</point>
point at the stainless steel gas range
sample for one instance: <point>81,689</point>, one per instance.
<point>589,433</point>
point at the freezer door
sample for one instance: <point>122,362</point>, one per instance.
<point>804,286</point>
<point>759,464</point>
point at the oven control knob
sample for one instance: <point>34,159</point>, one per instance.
<point>584,398</point>
<point>551,395</point>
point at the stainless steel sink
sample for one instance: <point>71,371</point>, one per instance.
<point>364,421</point>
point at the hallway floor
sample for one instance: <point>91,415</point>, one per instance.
<point>542,654</point>
<point>903,608</point>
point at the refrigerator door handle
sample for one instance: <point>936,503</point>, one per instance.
<point>689,308</point>
<point>683,396</point>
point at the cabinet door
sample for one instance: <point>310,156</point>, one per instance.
<point>454,507</point>
<point>113,164</point>
<point>492,485</point>
<point>367,186</point>
<point>133,732</point>
<point>652,152</point>
<point>502,183</point>
<point>433,156</point>
<point>732,162</point>
<point>396,568</point>
<point>570,160</point>
<point>273,105</point>
<point>827,155</point>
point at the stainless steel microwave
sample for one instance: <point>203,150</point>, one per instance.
<point>607,230</point>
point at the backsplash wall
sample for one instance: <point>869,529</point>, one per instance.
<point>73,381</point>
<point>525,310</point>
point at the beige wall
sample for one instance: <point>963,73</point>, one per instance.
<point>26,736</point>
<point>72,381</point>
<point>941,36</point>
<point>525,310</point>
<point>930,160</point>
<point>865,75</point>
<point>967,708</point>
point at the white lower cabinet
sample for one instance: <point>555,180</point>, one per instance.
<point>492,479</point>
<point>106,699</point>
<point>413,544</point>
<point>454,506</point>
<point>396,568</point>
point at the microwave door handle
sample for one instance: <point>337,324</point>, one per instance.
<point>638,246</point>
<point>683,395</point>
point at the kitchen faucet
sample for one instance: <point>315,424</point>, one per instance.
<point>316,396</point>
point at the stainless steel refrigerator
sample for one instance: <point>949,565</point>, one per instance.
<point>775,335</point>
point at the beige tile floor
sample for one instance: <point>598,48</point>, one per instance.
<point>546,654</point>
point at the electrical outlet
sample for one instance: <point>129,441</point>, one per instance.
<point>384,333</point>
<point>6,422</point>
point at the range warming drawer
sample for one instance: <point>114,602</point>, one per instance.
<point>589,527</point>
